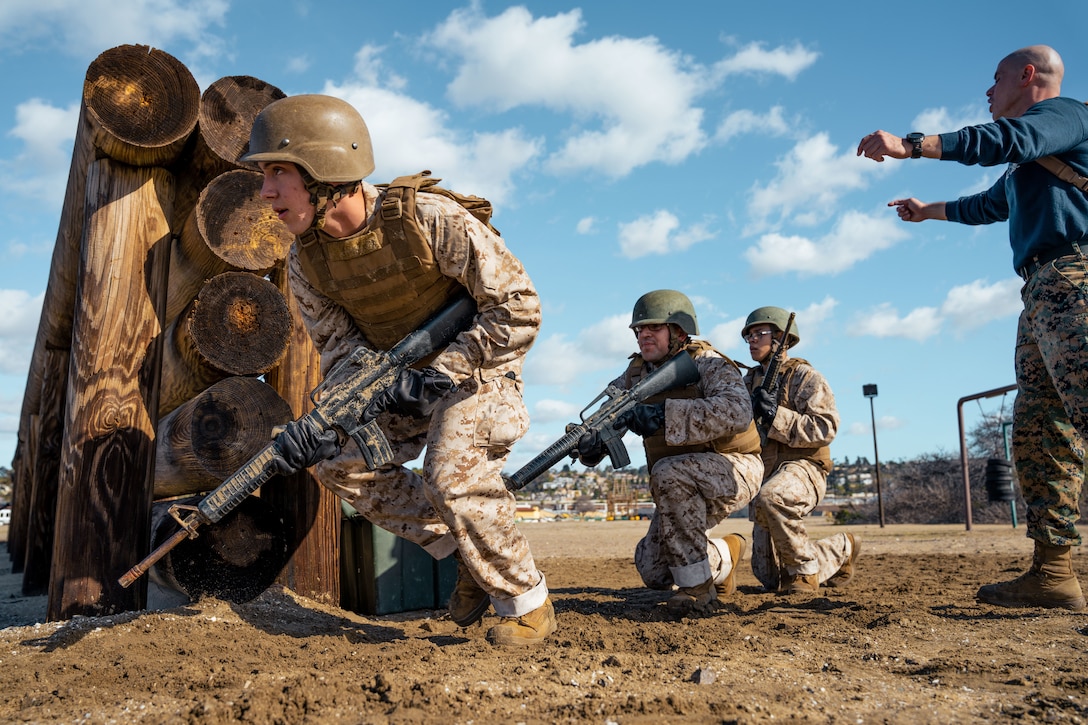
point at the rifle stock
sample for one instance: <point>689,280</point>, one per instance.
<point>340,408</point>
<point>679,371</point>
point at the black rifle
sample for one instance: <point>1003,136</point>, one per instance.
<point>676,373</point>
<point>770,379</point>
<point>340,408</point>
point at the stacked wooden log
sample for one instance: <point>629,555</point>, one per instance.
<point>168,345</point>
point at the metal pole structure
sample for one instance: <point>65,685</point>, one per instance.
<point>869,391</point>
<point>963,445</point>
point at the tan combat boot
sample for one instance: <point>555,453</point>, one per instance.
<point>699,598</point>
<point>469,601</point>
<point>528,629</point>
<point>1050,582</point>
<point>800,584</point>
<point>846,572</point>
<point>736,544</point>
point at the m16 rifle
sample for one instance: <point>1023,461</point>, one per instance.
<point>340,408</point>
<point>774,367</point>
<point>679,371</point>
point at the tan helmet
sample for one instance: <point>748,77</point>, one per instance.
<point>775,317</point>
<point>665,305</point>
<point>324,135</point>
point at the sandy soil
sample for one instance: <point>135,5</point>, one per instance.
<point>905,643</point>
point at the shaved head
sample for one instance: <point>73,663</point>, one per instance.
<point>1049,69</point>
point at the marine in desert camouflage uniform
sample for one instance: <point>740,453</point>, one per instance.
<point>702,451</point>
<point>797,426</point>
<point>367,271</point>
<point>1048,232</point>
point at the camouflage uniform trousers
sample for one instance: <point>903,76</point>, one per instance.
<point>694,492</point>
<point>460,503</point>
<point>1050,415</point>
<point>779,537</point>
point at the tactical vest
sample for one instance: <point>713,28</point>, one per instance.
<point>655,446</point>
<point>385,276</point>
<point>776,452</point>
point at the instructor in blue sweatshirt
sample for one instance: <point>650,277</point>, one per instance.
<point>1048,227</point>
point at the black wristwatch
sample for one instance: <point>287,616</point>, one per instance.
<point>916,139</point>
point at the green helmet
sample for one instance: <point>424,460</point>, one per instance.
<point>324,135</point>
<point>777,318</point>
<point>665,305</point>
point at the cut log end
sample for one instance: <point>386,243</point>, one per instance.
<point>241,323</point>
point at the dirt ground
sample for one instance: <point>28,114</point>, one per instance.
<point>905,643</point>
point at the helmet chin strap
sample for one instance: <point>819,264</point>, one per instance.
<point>322,195</point>
<point>677,339</point>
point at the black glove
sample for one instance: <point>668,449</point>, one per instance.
<point>644,419</point>
<point>590,449</point>
<point>764,408</point>
<point>302,444</point>
<point>414,393</point>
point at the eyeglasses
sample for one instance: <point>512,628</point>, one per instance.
<point>656,327</point>
<point>755,335</point>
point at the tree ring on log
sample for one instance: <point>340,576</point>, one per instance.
<point>238,225</point>
<point>241,323</point>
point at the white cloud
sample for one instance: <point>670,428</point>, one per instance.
<point>409,136</point>
<point>85,27</point>
<point>586,225</point>
<point>772,123</point>
<point>602,346</point>
<point>884,321</point>
<point>978,303</point>
<point>811,178</point>
<point>658,233</point>
<point>855,237</point>
<point>549,411</point>
<point>19,316</point>
<point>941,120</point>
<point>964,308</point>
<point>40,171</point>
<point>754,59</point>
<point>633,99</point>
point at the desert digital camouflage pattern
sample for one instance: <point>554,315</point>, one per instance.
<point>460,503</point>
<point>806,423</point>
<point>694,492</point>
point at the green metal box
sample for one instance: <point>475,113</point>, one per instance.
<point>381,573</point>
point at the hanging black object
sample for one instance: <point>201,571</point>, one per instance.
<point>999,480</point>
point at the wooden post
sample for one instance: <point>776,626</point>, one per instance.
<point>43,494</point>
<point>311,510</point>
<point>227,110</point>
<point>238,325</point>
<point>214,434</point>
<point>104,495</point>
<point>231,228</point>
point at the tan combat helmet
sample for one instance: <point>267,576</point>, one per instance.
<point>665,306</point>
<point>777,318</point>
<point>324,135</point>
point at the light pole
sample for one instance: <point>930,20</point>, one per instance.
<point>869,391</point>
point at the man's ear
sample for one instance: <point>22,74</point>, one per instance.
<point>1027,75</point>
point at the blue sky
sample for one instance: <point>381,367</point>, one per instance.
<point>706,146</point>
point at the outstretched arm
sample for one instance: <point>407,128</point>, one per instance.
<point>881,144</point>
<point>912,210</point>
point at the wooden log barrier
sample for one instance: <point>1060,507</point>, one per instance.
<point>104,491</point>
<point>142,103</point>
<point>230,229</point>
<point>235,560</point>
<point>311,511</point>
<point>213,435</point>
<point>139,106</point>
<point>227,110</point>
<point>239,324</point>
